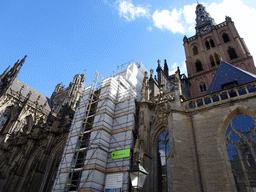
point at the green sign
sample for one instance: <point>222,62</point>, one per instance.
<point>120,154</point>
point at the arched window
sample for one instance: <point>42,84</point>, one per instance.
<point>225,37</point>
<point>212,43</point>
<point>212,61</point>
<point>163,150</point>
<point>232,53</point>
<point>241,149</point>
<point>202,88</point>
<point>5,116</point>
<point>195,50</point>
<point>199,66</point>
<point>217,58</point>
<point>207,44</point>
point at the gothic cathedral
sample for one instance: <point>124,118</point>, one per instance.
<point>191,133</point>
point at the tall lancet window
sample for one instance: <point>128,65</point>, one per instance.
<point>163,150</point>
<point>5,116</point>
<point>241,149</point>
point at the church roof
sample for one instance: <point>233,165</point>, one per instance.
<point>227,76</point>
<point>16,86</point>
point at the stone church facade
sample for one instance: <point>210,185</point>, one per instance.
<point>194,133</point>
<point>33,131</point>
<point>198,133</point>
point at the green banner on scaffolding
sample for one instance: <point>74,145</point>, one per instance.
<point>120,154</point>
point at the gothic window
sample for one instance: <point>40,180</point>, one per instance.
<point>195,50</point>
<point>202,88</point>
<point>199,66</point>
<point>241,150</point>
<point>212,61</point>
<point>225,37</point>
<point>232,53</point>
<point>217,58</point>
<point>163,150</point>
<point>212,43</point>
<point>207,44</point>
<point>5,116</point>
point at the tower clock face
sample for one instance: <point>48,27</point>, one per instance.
<point>205,29</point>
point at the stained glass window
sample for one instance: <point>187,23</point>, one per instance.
<point>163,150</point>
<point>241,149</point>
<point>5,115</point>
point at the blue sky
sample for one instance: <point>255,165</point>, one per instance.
<point>65,37</point>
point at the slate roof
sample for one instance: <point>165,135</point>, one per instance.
<point>227,73</point>
<point>16,86</point>
<point>172,76</point>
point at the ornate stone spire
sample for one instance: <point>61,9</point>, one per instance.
<point>9,76</point>
<point>158,67</point>
<point>166,69</point>
<point>203,18</point>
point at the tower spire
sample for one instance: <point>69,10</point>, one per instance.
<point>166,70</point>
<point>203,18</point>
<point>9,76</point>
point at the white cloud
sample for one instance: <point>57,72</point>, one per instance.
<point>149,28</point>
<point>183,68</point>
<point>168,20</point>
<point>177,21</point>
<point>174,68</point>
<point>131,12</point>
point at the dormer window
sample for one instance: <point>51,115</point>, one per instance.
<point>229,85</point>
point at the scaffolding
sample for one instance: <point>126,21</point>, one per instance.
<point>103,122</point>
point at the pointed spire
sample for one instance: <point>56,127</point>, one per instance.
<point>151,73</point>
<point>9,77</point>
<point>158,67</point>
<point>166,69</point>
<point>23,60</point>
<point>3,74</point>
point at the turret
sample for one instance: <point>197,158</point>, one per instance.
<point>58,87</point>
<point>83,79</point>
<point>77,79</point>
<point>158,70</point>
<point>145,88</point>
<point>203,18</point>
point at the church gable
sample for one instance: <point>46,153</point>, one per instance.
<point>228,76</point>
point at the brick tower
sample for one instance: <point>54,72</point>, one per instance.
<point>212,43</point>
